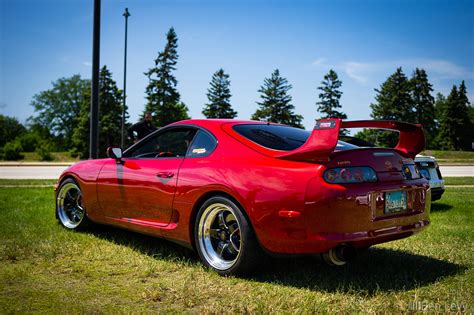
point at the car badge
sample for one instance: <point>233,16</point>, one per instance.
<point>388,165</point>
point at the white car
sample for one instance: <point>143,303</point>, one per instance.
<point>429,168</point>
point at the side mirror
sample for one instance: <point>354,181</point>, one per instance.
<point>115,153</point>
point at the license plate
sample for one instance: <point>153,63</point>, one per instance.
<point>395,201</point>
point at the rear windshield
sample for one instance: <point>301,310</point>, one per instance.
<point>278,137</point>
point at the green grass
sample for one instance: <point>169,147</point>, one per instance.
<point>452,157</point>
<point>57,157</point>
<point>46,269</point>
<point>459,180</point>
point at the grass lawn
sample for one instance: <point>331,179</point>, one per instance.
<point>452,157</point>
<point>46,269</point>
<point>57,157</point>
<point>459,180</point>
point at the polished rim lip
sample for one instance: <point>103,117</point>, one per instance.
<point>63,215</point>
<point>207,218</point>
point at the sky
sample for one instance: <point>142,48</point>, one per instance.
<point>364,41</point>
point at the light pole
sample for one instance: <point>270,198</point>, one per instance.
<point>126,14</point>
<point>94,122</point>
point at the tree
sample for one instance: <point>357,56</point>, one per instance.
<point>329,97</point>
<point>219,95</point>
<point>455,126</point>
<point>58,108</point>
<point>110,117</point>
<point>163,100</point>
<point>393,102</point>
<point>423,104</point>
<point>276,102</point>
<point>10,128</point>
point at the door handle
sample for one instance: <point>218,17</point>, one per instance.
<point>165,174</point>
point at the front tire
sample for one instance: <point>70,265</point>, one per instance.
<point>224,238</point>
<point>70,210</point>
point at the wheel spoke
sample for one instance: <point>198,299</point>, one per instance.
<point>221,247</point>
<point>214,233</point>
<point>235,242</point>
<point>233,227</point>
<point>221,220</point>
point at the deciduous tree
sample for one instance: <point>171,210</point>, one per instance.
<point>58,108</point>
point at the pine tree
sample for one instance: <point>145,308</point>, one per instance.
<point>423,104</point>
<point>329,97</point>
<point>456,129</point>
<point>163,99</point>
<point>110,117</point>
<point>276,102</point>
<point>393,102</point>
<point>219,97</point>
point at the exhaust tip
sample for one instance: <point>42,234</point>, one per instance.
<point>339,255</point>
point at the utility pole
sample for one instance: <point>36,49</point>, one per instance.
<point>94,120</point>
<point>126,14</point>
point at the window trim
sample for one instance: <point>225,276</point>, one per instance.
<point>194,139</point>
<point>166,129</point>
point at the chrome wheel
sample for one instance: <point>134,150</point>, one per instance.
<point>219,236</point>
<point>69,205</point>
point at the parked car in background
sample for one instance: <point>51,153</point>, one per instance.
<point>429,169</point>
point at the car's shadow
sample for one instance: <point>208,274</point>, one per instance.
<point>440,207</point>
<point>375,270</point>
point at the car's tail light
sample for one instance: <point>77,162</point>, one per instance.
<point>348,175</point>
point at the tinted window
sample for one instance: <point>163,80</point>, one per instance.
<point>171,143</point>
<point>203,144</point>
<point>273,136</point>
<point>281,137</point>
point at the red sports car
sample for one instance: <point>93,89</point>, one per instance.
<point>233,190</point>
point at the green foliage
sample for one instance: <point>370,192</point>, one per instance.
<point>393,100</point>
<point>456,129</point>
<point>10,128</point>
<point>44,149</point>
<point>163,99</point>
<point>423,104</point>
<point>12,150</point>
<point>329,97</point>
<point>219,97</point>
<point>58,108</point>
<point>110,117</point>
<point>276,102</point>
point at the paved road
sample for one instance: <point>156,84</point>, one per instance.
<point>31,172</point>
<point>53,172</point>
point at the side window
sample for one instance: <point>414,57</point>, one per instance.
<point>203,145</point>
<point>171,143</point>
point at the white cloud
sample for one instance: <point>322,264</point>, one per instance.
<point>87,63</point>
<point>368,72</point>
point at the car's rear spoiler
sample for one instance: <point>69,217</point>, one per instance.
<point>323,140</point>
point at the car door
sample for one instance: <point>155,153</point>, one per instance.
<point>140,189</point>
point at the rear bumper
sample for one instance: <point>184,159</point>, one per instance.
<point>353,215</point>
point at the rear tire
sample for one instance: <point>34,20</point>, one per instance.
<point>224,238</point>
<point>70,210</point>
